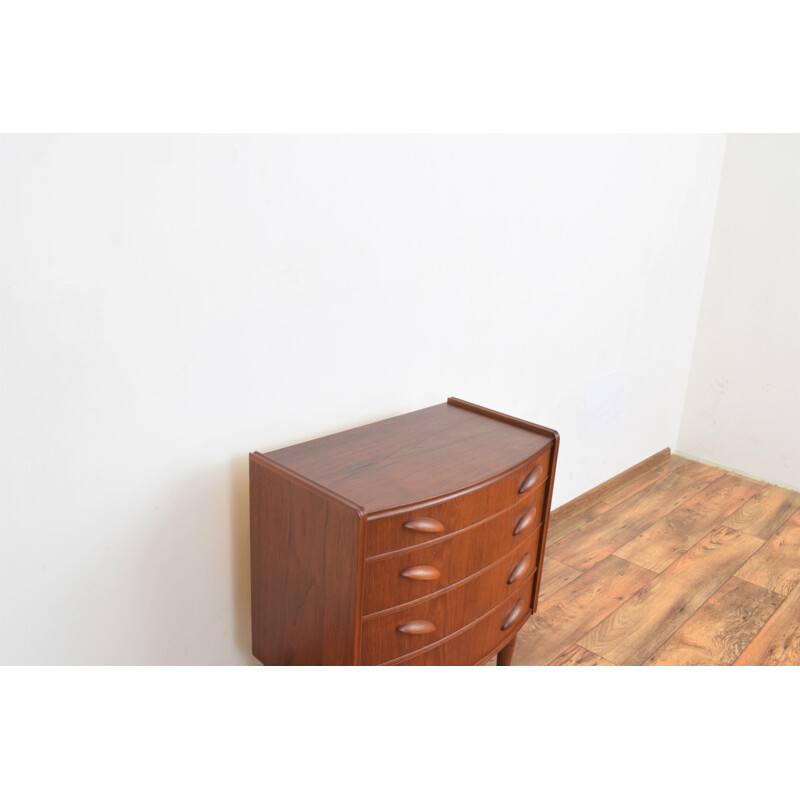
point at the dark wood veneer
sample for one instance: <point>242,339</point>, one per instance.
<point>422,534</point>
<point>391,530</point>
<point>413,457</point>
<point>449,611</point>
<point>304,586</point>
<point>479,642</point>
<point>455,557</point>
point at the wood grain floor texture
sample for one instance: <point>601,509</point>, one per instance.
<point>683,564</point>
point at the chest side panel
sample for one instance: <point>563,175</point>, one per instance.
<point>305,565</point>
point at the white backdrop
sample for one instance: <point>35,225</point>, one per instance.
<point>743,401</point>
<point>171,303</point>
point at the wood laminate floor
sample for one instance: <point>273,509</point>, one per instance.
<point>681,564</point>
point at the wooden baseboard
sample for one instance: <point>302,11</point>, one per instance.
<point>588,499</point>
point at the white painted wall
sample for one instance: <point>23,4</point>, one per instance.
<point>171,303</point>
<point>743,399</point>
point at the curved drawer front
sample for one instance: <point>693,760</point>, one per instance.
<point>407,528</point>
<point>474,644</point>
<point>413,574</point>
<point>389,636</point>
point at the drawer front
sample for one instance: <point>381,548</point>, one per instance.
<point>424,523</point>
<point>413,574</point>
<point>397,633</point>
<point>475,644</point>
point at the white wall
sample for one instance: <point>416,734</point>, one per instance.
<point>743,400</point>
<point>171,303</point>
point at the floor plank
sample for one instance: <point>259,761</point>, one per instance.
<point>592,542</point>
<point>669,538</point>
<point>643,623</point>
<point>778,642</point>
<point>720,630</point>
<point>578,504</point>
<point>579,606</point>
<point>650,577</point>
<point>558,530</point>
<point>555,575</point>
<point>776,565</point>
<point>636,484</point>
<point>576,656</point>
<point>764,513</point>
<point>701,472</point>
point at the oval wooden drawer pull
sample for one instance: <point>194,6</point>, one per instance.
<point>421,573</point>
<point>417,626</point>
<point>525,521</point>
<point>530,481</point>
<point>521,568</point>
<point>424,525</point>
<point>514,614</point>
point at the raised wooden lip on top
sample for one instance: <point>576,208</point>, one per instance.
<point>291,459</point>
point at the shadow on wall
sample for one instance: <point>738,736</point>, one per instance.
<point>240,531</point>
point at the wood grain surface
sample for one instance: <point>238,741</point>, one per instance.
<point>651,616</point>
<point>454,558</point>
<point>579,504</point>
<point>623,491</point>
<point>555,575</point>
<point>776,565</point>
<point>304,597</point>
<point>765,512</point>
<point>602,536</point>
<point>400,461</point>
<point>577,656</point>
<point>474,645</point>
<point>719,579</point>
<point>449,611</point>
<point>578,607</point>
<point>722,627</point>
<point>670,537</point>
<point>416,538</point>
<point>778,642</point>
<point>400,530</point>
<point>561,527</point>
<point>701,472</point>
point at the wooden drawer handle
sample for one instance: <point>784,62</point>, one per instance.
<point>421,573</point>
<point>525,521</point>
<point>531,480</point>
<point>521,569</point>
<point>417,626</point>
<point>514,614</point>
<point>424,525</point>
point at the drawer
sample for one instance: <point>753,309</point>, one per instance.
<point>410,575</point>
<point>389,636</point>
<point>414,525</point>
<point>475,644</point>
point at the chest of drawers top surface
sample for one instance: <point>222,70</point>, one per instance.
<point>413,457</point>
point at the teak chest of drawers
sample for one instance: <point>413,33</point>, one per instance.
<point>415,540</point>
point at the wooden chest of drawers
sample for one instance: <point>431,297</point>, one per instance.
<point>415,540</point>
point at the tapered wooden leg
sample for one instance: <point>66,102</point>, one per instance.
<point>506,654</point>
